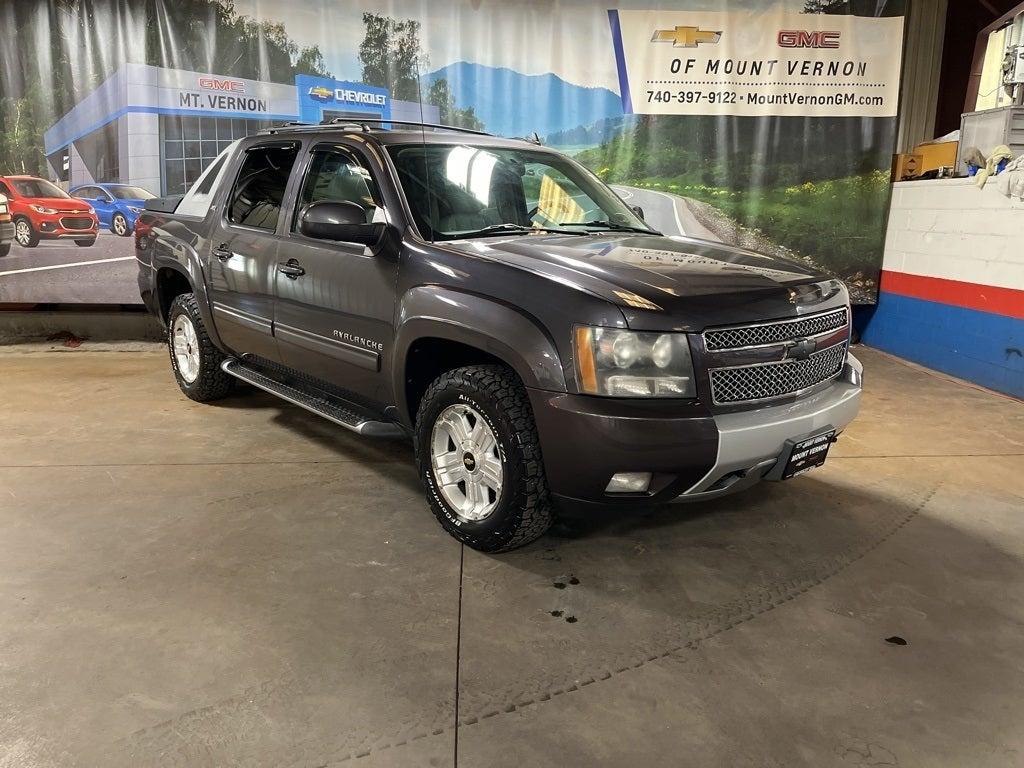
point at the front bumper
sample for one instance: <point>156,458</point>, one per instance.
<point>6,231</point>
<point>56,226</point>
<point>691,453</point>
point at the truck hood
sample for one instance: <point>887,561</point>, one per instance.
<point>665,283</point>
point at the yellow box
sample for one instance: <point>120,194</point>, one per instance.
<point>905,166</point>
<point>935,156</point>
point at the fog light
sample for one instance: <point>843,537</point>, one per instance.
<point>629,482</point>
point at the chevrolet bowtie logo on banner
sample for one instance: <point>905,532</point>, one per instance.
<point>321,94</point>
<point>768,61</point>
<point>686,37</point>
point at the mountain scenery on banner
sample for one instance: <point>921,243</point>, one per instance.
<point>510,103</point>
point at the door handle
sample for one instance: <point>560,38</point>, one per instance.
<point>291,269</point>
<point>222,252</point>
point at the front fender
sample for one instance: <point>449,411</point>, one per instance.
<point>431,311</point>
<point>125,211</point>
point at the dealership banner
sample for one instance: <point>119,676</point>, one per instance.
<point>764,124</point>
<point>757,63</point>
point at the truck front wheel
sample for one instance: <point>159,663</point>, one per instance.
<point>119,225</point>
<point>478,454</point>
<point>194,358</point>
<point>24,234</point>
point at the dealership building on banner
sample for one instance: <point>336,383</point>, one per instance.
<point>159,128</point>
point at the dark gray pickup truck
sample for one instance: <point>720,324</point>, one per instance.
<point>497,303</point>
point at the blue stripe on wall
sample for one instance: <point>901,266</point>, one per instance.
<point>985,348</point>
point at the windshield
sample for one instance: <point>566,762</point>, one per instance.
<point>461,190</point>
<point>130,193</point>
<point>37,188</point>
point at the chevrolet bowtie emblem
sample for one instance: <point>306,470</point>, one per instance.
<point>798,349</point>
<point>320,93</point>
<point>686,37</point>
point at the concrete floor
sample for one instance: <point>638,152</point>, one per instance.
<point>244,584</point>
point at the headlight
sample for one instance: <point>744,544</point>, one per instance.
<point>133,209</point>
<point>42,209</point>
<point>621,363</point>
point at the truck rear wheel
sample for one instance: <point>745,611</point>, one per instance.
<point>478,454</point>
<point>194,359</point>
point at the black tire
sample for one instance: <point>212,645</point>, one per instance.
<point>211,383</point>
<point>5,248</point>
<point>86,243</point>
<point>120,222</point>
<point>523,512</point>
<point>31,238</point>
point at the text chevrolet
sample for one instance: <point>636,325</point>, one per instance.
<point>497,303</point>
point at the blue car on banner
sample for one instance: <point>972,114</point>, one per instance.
<point>117,205</point>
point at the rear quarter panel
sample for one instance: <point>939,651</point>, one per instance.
<point>168,241</point>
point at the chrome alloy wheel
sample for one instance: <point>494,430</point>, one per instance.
<point>120,225</point>
<point>186,348</point>
<point>466,462</point>
<point>22,233</point>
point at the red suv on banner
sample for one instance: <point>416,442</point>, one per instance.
<point>43,211</point>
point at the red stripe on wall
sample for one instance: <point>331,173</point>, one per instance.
<point>984,298</point>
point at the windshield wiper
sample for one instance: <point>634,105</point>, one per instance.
<point>511,229</point>
<point>604,224</point>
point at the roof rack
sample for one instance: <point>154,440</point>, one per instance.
<point>368,124</point>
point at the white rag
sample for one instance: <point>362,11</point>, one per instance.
<point>1011,181</point>
<point>1002,152</point>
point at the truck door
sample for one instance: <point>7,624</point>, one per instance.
<point>243,246</point>
<point>334,316</point>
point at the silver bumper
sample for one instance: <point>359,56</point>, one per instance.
<point>751,443</point>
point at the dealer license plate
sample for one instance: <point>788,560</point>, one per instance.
<point>808,454</point>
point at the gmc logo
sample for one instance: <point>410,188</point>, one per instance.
<point>798,38</point>
<point>216,84</point>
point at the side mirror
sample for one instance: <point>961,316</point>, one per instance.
<point>339,220</point>
<point>637,210</point>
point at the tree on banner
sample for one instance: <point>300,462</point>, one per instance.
<point>440,95</point>
<point>391,55</point>
<point>89,42</point>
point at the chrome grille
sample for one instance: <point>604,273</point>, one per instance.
<point>764,381</point>
<point>773,333</point>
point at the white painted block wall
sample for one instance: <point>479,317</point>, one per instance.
<point>949,228</point>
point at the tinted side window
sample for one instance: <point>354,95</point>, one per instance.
<point>199,198</point>
<point>338,176</point>
<point>259,189</point>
